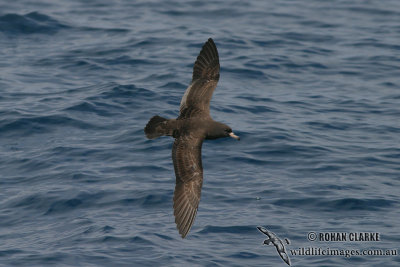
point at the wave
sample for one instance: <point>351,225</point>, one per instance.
<point>30,23</point>
<point>40,124</point>
<point>343,204</point>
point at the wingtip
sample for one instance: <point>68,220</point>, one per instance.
<point>182,230</point>
<point>211,42</point>
<point>262,229</point>
<point>183,212</point>
<point>185,225</point>
<point>207,62</point>
<point>183,235</point>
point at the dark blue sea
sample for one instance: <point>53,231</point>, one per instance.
<point>311,87</point>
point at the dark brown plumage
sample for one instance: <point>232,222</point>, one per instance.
<point>193,125</point>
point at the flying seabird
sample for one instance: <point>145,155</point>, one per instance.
<point>193,125</point>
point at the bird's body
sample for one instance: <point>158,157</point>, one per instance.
<point>193,125</point>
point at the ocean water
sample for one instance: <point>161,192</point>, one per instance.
<point>311,87</point>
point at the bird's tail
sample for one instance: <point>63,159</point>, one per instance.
<point>156,127</point>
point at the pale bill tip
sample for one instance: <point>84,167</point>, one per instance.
<point>234,136</point>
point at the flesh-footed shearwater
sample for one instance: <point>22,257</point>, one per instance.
<point>193,125</point>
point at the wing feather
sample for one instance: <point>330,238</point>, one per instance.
<point>186,155</point>
<point>197,97</point>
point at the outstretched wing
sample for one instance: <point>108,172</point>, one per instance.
<point>186,154</point>
<point>197,97</point>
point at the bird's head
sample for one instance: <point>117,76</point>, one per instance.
<point>219,130</point>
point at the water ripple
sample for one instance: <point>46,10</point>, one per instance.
<point>311,87</point>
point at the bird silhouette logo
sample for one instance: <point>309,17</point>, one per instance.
<point>273,239</point>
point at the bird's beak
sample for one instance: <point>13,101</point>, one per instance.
<point>234,136</point>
